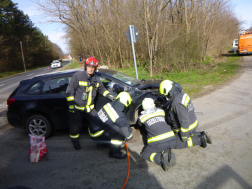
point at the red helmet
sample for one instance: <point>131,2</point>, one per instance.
<point>91,61</point>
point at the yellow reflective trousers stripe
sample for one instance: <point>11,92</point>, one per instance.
<point>161,137</point>
<point>98,133</point>
<point>152,156</point>
<point>189,142</point>
<point>192,126</point>
<point>75,136</point>
<point>144,118</point>
<point>116,142</point>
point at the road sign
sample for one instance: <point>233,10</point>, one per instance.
<point>135,33</point>
<point>132,36</point>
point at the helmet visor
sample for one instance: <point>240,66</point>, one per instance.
<point>91,64</point>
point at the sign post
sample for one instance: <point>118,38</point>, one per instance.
<point>132,36</point>
<point>22,55</point>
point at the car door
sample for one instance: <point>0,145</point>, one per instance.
<point>31,99</point>
<point>54,99</point>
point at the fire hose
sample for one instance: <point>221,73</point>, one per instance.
<point>128,166</point>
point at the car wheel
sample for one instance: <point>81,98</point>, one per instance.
<point>38,125</point>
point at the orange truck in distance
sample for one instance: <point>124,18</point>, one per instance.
<point>245,42</point>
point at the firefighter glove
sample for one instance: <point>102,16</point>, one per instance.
<point>111,97</point>
<point>72,108</point>
<point>130,136</point>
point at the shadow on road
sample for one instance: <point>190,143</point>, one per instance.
<point>217,180</point>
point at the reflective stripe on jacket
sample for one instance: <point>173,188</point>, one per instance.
<point>158,131</point>
<point>182,114</point>
<point>82,86</point>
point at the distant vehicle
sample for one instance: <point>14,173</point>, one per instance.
<point>245,42</point>
<point>56,64</point>
<point>39,104</point>
<point>235,45</point>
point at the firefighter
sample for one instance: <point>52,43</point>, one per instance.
<point>110,125</point>
<point>161,140</point>
<point>180,111</point>
<point>80,95</point>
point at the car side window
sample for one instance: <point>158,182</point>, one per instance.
<point>46,88</point>
<point>34,89</point>
<point>57,85</point>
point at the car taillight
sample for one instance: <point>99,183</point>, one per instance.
<point>10,101</point>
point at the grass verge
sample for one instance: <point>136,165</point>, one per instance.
<point>194,81</point>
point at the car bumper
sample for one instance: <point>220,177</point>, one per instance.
<point>55,66</point>
<point>14,120</point>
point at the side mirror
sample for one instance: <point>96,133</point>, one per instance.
<point>117,88</point>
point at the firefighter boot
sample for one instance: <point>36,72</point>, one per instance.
<point>76,143</point>
<point>115,152</point>
<point>203,139</point>
<point>208,137</point>
<point>168,159</point>
<point>117,155</point>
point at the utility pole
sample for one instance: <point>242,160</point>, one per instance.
<point>22,55</point>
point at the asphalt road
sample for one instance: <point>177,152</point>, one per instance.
<point>226,114</point>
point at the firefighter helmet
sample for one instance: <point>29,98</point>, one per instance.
<point>148,103</point>
<point>165,87</point>
<point>124,98</point>
<point>91,61</point>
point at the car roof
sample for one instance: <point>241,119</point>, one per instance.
<point>72,71</point>
<point>57,73</point>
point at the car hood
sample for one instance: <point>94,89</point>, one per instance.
<point>150,84</point>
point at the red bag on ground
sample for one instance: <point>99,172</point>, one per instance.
<point>38,148</point>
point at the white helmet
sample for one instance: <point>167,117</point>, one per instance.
<point>148,103</point>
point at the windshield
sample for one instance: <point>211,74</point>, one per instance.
<point>122,77</point>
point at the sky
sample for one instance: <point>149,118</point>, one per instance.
<point>55,33</point>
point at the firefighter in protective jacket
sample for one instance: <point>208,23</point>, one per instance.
<point>110,125</point>
<point>179,111</point>
<point>160,137</point>
<point>80,95</point>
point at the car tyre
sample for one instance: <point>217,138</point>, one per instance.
<point>38,125</point>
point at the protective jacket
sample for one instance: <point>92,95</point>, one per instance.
<point>180,114</point>
<point>82,91</point>
<point>157,129</point>
<point>110,116</point>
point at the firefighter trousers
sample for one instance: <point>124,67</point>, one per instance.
<point>152,152</point>
<point>77,119</point>
<point>113,137</point>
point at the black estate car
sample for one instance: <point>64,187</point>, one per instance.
<point>39,104</point>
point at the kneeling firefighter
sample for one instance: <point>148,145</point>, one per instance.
<point>179,112</point>
<point>110,125</point>
<point>161,140</point>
